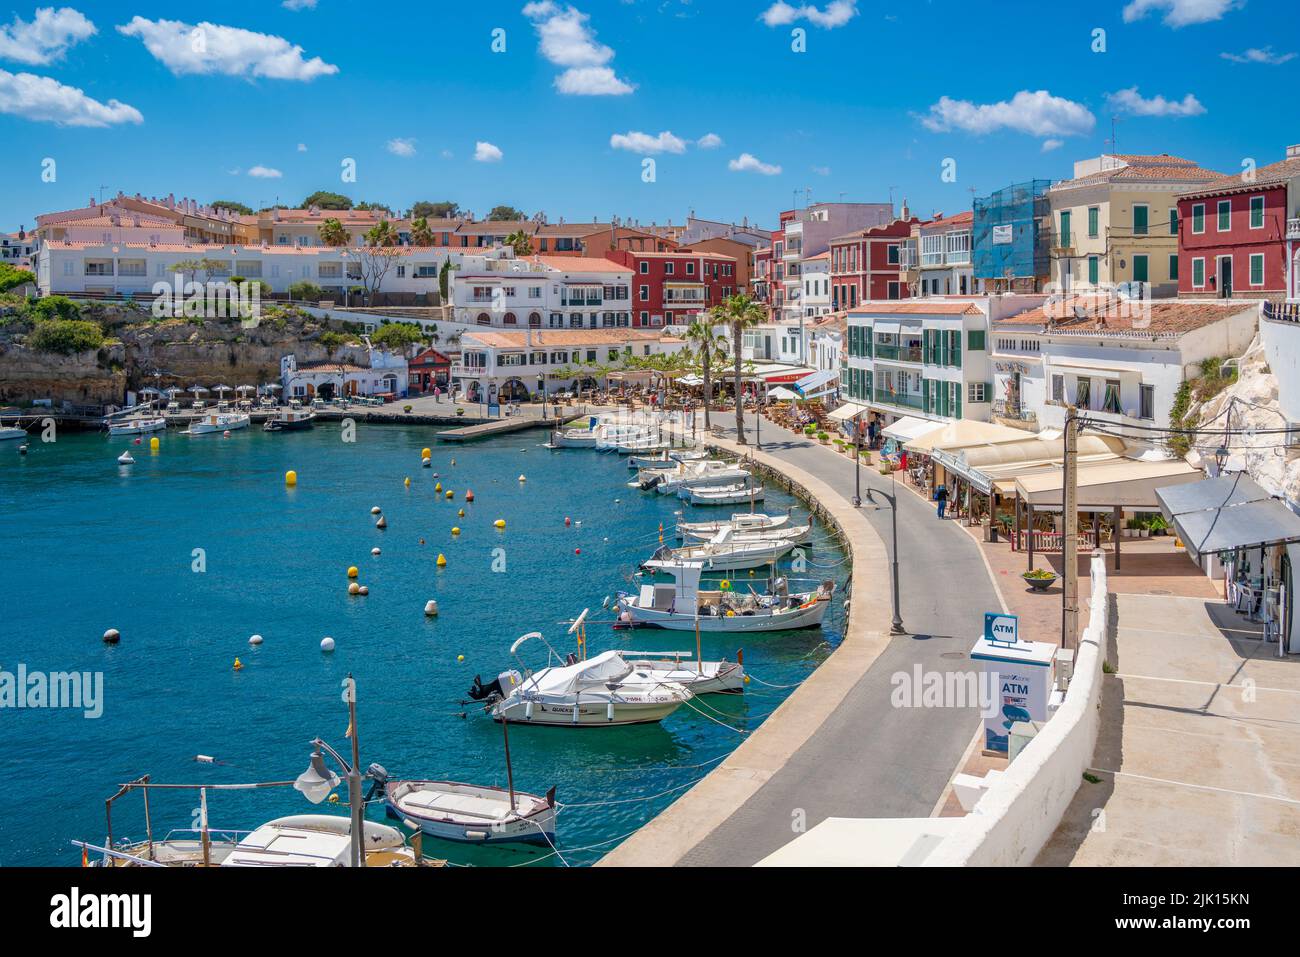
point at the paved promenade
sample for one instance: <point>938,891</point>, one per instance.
<point>837,747</point>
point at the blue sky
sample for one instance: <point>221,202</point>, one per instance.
<point>883,94</point>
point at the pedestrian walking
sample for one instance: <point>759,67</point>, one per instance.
<point>941,496</point>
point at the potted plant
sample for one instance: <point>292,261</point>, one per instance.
<point>1158,525</point>
<point>822,437</point>
<point>809,429</point>
<point>460,410</point>
<point>1040,579</point>
<point>406,408</point>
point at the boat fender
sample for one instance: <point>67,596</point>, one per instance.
<point>609,710</point>
<point>528,710</point>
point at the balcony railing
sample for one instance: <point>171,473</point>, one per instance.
<point>904,400</point>
<point>1013,410</point>
<point>1293,228</point>
<point>898,353</point>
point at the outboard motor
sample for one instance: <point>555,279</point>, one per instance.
<point>498,687</point>
<point>651,482</point>
<point>378,775</point>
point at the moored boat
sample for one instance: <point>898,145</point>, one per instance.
<point>219,422</point>
<point>137,426</point>
<point>10,432</point>
<point>473,813</point>
<point>737,494</point>
<point>290,420</point>
<point>681,605</point>
<point>723,552</point>
<point>741,521</point>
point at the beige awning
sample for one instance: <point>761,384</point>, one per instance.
<point>849,410</point>
<point>1125,483</point>
<point>1033,450</point>
<point>962,433</point>
<point>909,427</point>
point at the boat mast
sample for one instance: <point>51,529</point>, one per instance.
<point>510,775</point>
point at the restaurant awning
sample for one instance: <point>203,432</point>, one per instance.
<point>909,427</point>
<point>1226,513</point>
<point>964,432</point>
<point>1120,483</point>
<point>815,381</point>
<point>849,410</point>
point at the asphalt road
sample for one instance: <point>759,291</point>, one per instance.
<point>871,759</point>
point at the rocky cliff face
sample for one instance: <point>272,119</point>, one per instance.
<point>1248,405</point>
<point>183,351</point>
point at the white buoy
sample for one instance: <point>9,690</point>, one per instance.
<point>375,510</point>
<point>125,459</point>
<point>112,636</point>
<point>427,463</point>
<point>363,590</point>
<point>522,477</point>
<point>382,523</point>
<point>327,644</point>
<point>431,608</point>
<point>255,640</point>
<point>374,551</point>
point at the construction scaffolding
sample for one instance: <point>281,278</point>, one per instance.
<point>1010,235</point>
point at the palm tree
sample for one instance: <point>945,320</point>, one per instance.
<point>522,244</point>
<point>741,313</point>
<point>421,234</point>
<point>381,234</point>
<point>710,345</point>
<point>332,233</point>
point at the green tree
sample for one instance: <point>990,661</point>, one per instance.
<point>444,279</point>
<point>506,214</point>
<point>233,206</point>
<point>54,307</point>
<point>382,234</point>
<point>397,336</point>
<point>306,291</point>
<point>375,207</point>
<point>11,277</point>
<point>65,336</point>
<point>427,210</point>
<point>740,313</point>
<point>421,234</point>
<point>323,199</point>
<point>710,346</point>
<point>520,242</point>
<point>333,233</point>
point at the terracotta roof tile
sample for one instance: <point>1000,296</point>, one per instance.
<point>1091,314</point>
<point>559,338</point>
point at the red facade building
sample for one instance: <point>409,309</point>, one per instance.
<point>673,288</point>
<point>1232,234</point>
<point>428,369</point>
<point>868,264</point>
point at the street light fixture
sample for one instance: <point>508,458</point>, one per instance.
<point>318,780</point>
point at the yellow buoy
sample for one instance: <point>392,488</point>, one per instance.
<point>499,523</point>
<point>438,487</point>
<point>408,481</point>
<point>460,657</point>
<point>154,443</point>
<point>352,571</point>
<point>238,664</point>
<point>450,494</point>
<point>426,453</point>
<point>442,560</point>
<point>455,530</point>
<point>291,477</point>
<point>460,512</point>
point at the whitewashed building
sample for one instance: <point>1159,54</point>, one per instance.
<point>385,375</point>
<point>541,292</point>
<point>1122,363</point>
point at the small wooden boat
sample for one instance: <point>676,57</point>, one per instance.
<point>473,813</point>
<point>219,422</point>
<point>741,521</point>
<point>290,420</point>
<point>682,605</point>
<point>9,432</point>
<point>723,552</point>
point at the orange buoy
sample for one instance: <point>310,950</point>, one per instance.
<point>469,496</point>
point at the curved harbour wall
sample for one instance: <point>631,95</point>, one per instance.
<point>689,820</point>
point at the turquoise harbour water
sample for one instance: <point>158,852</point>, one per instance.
<point>86,545</point>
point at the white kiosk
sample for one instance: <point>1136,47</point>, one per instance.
<point>1020,674</point>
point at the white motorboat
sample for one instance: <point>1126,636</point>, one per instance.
<point>473,813</point>
<point>740,521</point>
<point>646,441</point>
<point>577,437</point>
<point>137,426</point>
<point>666,459</point>
<point>704,473</point>
<point>723,552</point>
<point>9,432</point>
<point>681,605</point>
<point>798,534</point>
<point>738,494</point>
<point>597,692</point>
<point>318,840</point>
<point>219,422</point>
<point>290,420</point>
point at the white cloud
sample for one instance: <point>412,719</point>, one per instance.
<point>836,14</point>
<point>644,143</point>
<point>822,170</point>
<point>302,147</point>
<point>565,39</point>
<point>264,172</point>
<point>400,146</point>
<point>485,152</point>
<point>1259,55</point>
<point>1130,101</point>
<point>46,38</point>
<point>709,141</point>
<point>1038,113</point>
<point>208,48</point>
<point>46,100</point>
<point>1049,145</point>
<point>1181,13</point>
<point>296,5</point>
<point>749,163</point>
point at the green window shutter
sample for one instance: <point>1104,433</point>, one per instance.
<point>1173,265</point>
<point>1140,273</point>
<point>1173,222</point>
<point>1198,218</point>
<point>1093,217</point>
<point>1225,215</point>
<point>1093,264</point>
<point>1198,272</point>
<point>1140,220</point>
<point>1065,227</point>
<point>975,340</point>
<point>1256,212</point>
<point>1257,270</point>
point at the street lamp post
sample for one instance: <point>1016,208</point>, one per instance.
<point>318,780</point>
<point>895,626</point>
<point>857,464</point>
